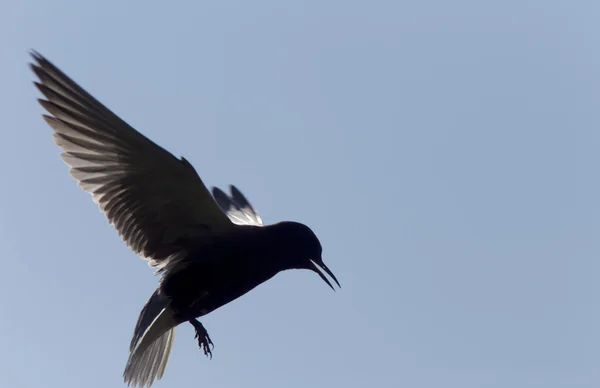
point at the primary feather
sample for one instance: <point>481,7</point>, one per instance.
<point>237,207</point>
<point>152,198</point>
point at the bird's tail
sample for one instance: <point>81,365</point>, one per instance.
<point>151,343</point>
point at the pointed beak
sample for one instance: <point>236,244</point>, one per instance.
<point>317,267</point>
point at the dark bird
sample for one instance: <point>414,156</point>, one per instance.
<point>209,250</point>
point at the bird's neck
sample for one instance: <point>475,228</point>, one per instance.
<point>277,246</point>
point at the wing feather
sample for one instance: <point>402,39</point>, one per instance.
<point>152,198</point>
<point>237,207</point>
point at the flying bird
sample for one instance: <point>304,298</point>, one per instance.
<point>208,249</point>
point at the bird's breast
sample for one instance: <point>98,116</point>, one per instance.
<point>209,282</point>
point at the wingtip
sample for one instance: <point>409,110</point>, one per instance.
<point>217,191</point>
<point>35,68</point>
<point>37,57</point>
<point>38,69</point>
<point>41,66</point>
<point>235,192</point>
<point>39,85</point>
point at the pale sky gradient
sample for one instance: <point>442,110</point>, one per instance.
<point>447,153</point>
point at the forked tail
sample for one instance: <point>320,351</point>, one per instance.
<point>151,343</point>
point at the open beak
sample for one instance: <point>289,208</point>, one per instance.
<point>317,267</point>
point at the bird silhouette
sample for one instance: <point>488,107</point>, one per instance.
<point>208,249</point>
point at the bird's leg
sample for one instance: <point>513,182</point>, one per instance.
<point>204,341</point>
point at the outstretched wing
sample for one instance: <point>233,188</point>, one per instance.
<point>153,199</point>
<point>237,207</point>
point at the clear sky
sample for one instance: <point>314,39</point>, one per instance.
<point>445,152</point>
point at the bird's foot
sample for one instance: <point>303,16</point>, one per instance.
<point>204,341</point>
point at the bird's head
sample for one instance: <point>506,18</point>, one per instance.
<point>302,249</point>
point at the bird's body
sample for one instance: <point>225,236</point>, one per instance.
<point>208,249</point>
<point>217,273</point>
<point>207,275</point>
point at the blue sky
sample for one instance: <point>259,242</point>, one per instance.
<point>446,153</point>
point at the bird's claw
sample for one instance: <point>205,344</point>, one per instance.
<point>204,341</point>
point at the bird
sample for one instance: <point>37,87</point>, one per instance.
<point>208,246</point>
